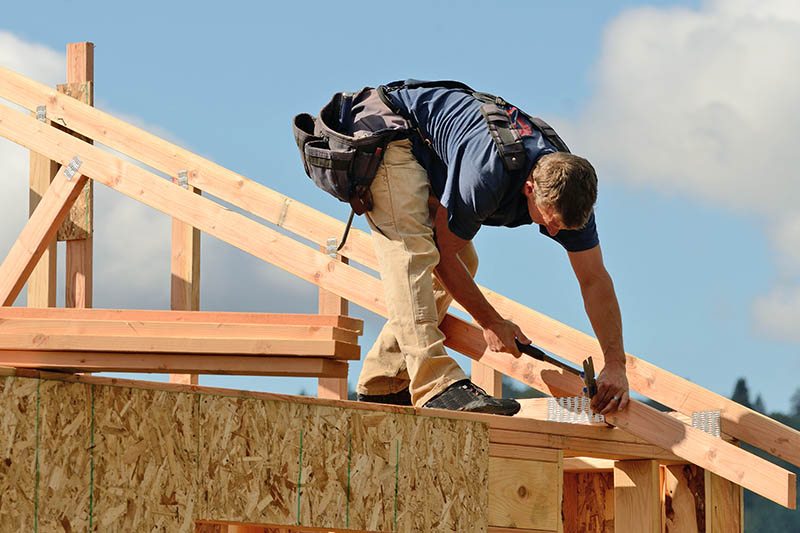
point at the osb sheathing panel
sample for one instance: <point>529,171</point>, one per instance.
<point>64,456</point>
<point>17,454</point>
<point>161,460</point>
<point>145,459</point>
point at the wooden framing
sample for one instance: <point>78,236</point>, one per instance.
<point>330,303</point>
<point>185,274</point>
<point>656,383</point>
<point>732,463</point>
<point>42,280</point>
<point>79,266</point>
<point>673,438</point>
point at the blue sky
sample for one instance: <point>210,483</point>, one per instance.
<point>685,108</point>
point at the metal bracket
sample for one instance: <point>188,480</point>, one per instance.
<point>333,246</point>
<point>72,168</point>
<point>708,421</point>
<point>183,179</point>
<point>572,410</point>
<point>41,113</point>
<point>282,217</point>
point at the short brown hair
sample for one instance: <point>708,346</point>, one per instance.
<point>568,183</point>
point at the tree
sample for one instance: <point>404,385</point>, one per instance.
<point>759,406</point>
<point>741,394</point>
<point>795,403</point>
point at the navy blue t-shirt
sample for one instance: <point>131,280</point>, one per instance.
<point>466,171</point>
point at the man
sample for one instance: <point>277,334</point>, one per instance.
<point>431,194</point>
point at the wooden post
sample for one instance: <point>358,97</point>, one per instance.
<point>185,284</point>
<point>80,69</point>
<point>487,378</point>
<point>331,304</point>
<point>637,501</point>
<point>42,281</point>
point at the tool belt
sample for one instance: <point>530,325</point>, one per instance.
<point>341,161</point>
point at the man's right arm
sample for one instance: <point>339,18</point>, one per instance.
<point>499,333</point>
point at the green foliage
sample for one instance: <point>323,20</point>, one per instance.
<point>760,514</point>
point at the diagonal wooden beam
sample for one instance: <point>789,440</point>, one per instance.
<point>727,461</point>
<point>549,334</point>
<point>38,233</point>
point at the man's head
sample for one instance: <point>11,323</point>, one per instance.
<point>561,191</point>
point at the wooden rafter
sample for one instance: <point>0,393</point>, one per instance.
<point>728,461</point>
<point>549,334</point>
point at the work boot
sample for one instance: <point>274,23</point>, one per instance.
<point>466,396</point>
<point>402,397</point>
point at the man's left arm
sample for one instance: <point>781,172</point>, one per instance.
<point>602,308</point>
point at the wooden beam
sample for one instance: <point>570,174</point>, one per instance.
<point>37,235</point>
<point>42,280</point>
<point>683,501</point>
<point>365,290</point>
<point>222,317</point>
<point>330,303</point>
<point>124,328</point>
<point>185,274</point>
<point>184,363</point>
<point>549,334</point>
<point>198,345</point>
<point>637,501</point>
<point>79,268</point>
<point>588,464</point>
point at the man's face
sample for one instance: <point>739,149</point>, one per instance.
<point>543,214</point>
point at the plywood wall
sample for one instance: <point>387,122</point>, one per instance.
<point>118,458</point>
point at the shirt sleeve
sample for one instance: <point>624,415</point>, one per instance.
<point>576,240</point>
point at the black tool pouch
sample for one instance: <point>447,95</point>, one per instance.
<point>339,163</point>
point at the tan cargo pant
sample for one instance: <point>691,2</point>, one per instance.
<point>409,351</point>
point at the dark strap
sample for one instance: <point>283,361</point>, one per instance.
<point>506,137</point>
<point>549,133</point>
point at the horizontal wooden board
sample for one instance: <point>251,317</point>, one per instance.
<point>175,363</point>
<point>178,345</point>
<point>48,326</point>
<point>221,317</point>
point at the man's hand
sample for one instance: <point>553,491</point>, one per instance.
<point>612,390</point>
<point>500,336</point>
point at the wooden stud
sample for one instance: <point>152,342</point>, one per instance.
<point>524,494</point>
<point>79,266</point>
<point>724,505</point>
<point>185,274</point>
<point>332,304</point>
<point>42,280</point>
<point>347,282</point>
<point>308,223</point>
<point>487,378</point>
<point>637,502</point>
<point>37,235</point>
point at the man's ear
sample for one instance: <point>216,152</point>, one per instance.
<point>527,188</point>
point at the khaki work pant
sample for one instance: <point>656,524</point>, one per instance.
<point>409,351</point>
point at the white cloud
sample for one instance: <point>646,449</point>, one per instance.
<point>33,60</point>
<point>705,103</point>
